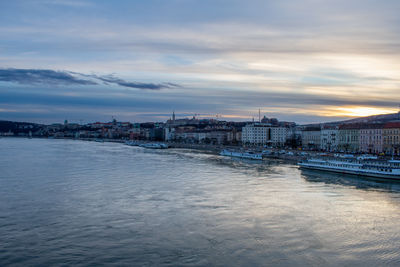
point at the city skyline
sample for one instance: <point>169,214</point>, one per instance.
<point>304,61</point>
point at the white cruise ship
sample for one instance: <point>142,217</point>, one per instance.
<point>383,169</point>
<point>243,155</point>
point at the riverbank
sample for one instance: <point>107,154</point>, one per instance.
<point>293,156</point>
<point>203,148</point>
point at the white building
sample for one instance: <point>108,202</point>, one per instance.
<point>329,138</point>
<point>311,138</point>
<point>262,134</point>
<point>169,134</point>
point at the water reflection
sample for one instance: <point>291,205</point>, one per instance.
<point>363,183</point>
<point>270,166</point>
<point>80,203</point>
<point>254,166</point>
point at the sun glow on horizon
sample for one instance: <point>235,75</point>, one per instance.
<point>358,111</point>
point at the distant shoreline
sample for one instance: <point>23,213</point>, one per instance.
<point>204,148</point>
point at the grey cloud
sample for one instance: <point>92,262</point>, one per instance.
<point>52,77</point>
<point>243,100</point>
<point>37,76</point>
<point>150,86</point>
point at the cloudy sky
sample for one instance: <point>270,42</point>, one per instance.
<point>298,60</point>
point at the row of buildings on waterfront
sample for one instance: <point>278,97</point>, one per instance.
<point>375,138</point>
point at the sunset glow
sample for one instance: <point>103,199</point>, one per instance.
<point>362,111</point>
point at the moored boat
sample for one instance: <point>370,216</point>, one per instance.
<point>370,167</point>
<point>244,155</point>
<point>132,143</point>
<point>154,145</point>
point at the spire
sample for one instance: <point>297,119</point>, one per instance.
<point>173,116</point>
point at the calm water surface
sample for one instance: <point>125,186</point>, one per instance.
<point>81,203</point>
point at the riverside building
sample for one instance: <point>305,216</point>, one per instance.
<point>329,138</point>
<point>311,138</point>
<point>264,134</point>
<point>391,138</point>
<point>349,138</point>
<point>371,140</point>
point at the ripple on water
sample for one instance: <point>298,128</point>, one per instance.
<point>68,202</point>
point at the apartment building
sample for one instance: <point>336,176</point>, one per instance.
<point>311,138</point>
<point>329,138</point>
<point>262,134</point>
<point>371,140</point>
<point>349,138</point>
<point>391,138</point>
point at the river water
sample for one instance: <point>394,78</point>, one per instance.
<point>65,202</point>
